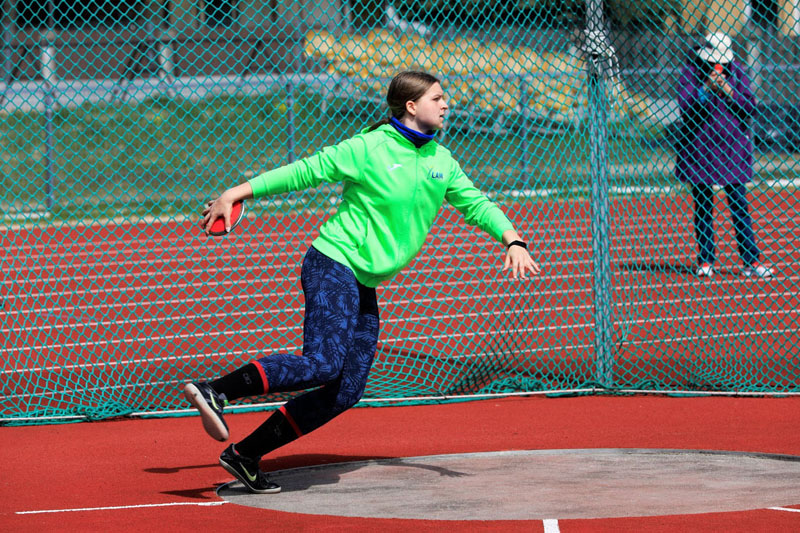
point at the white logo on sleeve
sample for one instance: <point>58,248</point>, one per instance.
<point>393,167</point>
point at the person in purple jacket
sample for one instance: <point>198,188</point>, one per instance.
<point>715,148</point>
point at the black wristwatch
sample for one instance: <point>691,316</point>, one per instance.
<point>517,243</point>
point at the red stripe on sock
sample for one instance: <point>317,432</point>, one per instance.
<point>291,421</point>
<point>263,376</point>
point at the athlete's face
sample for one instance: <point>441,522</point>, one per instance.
<point>429,110</point>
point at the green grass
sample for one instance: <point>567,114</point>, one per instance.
<point>163,156</point>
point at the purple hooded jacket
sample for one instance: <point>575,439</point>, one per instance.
<point>715,147</point>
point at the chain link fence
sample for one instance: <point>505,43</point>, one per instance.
<point>121,120</point>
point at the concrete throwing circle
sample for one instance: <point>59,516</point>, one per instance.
<point>535,485</point>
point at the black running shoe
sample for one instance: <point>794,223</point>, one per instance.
<point>247,471</point>
<point>210,404</point>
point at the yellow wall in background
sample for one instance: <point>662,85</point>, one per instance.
<point>789,18</point>
<point>730,16</point>
<point>713,16</point>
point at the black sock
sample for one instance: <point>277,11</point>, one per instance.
<point>244,381</point>
<point>271,435</point>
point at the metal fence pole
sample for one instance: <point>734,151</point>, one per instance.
<point>598,51</point>
<point>290,129</point>
<point>48,71</point>
<point>524,129</point>
<point>8,51</point>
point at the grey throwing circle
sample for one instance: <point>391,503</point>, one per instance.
<point>535,485</point>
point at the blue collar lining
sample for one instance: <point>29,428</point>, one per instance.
<point>418,138</point>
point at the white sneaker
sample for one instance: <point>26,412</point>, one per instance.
<point>705,270</point>
<point>757,270</point>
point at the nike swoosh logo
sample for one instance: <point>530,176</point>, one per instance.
<point>246,473</point>
<point>393,167</point>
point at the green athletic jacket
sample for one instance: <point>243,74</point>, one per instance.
<point>392,194</point>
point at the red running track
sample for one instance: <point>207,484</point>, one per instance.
<point>161,474</point>
<point>109,309</point>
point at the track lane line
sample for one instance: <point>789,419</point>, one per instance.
<point>120,507</point>
<point>551,526</point>
<point>624,223</point>
<point>276,259</point>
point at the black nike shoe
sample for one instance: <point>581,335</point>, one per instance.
<point>210,404</point>
<point>247,471</point>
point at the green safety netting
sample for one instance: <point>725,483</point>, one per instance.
<point>121,119</point>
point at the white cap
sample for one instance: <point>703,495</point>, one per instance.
<point>717,49</point>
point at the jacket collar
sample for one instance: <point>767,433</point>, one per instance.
<point>392,132</point>
<point>417,137</point>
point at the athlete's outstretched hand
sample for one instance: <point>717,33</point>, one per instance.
<point>221,207</point>
<point>519,262</point>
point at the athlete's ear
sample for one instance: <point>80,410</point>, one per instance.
<point>411,108</point>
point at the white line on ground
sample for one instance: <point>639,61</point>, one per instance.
<point>551,526</point>
<point>116,507</point>
<point>114,246</point>
<point>787,509</point>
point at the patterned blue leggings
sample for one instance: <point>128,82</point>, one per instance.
<point>340,337</point>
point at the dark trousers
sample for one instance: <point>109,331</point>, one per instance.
<point>703,196</point>
<point>340,337</point>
